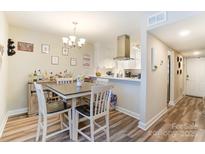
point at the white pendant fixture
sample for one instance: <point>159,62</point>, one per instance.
<point>72,41</point>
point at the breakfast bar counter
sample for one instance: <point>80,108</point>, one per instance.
<point>128,94</point>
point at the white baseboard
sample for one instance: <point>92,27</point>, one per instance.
<point>17,111</point>
<point>128,112</point>
<point>3,123</point>
<point>176,100</point>
<point>146,126</point>
<point>7,115</point>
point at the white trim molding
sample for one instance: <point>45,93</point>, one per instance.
<point>17,111</point>
<point>128,112</point>
<point>3,123</point>
<point>176,100</point>
<point>5,117</point>
<point>146,126</point>
<point>171,103</point>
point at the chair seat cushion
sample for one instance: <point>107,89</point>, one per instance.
<point>56,106</point>
<point>84,109</point>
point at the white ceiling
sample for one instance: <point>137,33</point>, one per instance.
<point>94,26</point>
<point>187,45</point>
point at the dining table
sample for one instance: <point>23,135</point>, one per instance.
<point>71,92</point>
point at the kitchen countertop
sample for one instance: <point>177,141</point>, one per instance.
<point>117,78</point>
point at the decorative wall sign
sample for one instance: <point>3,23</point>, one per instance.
<point>10,47</point>
<point>54,60</point>
<point>65,51</point>
<point>73,62</point>
<point>45,48</point>
<point>86,60</point>
<point>177,59</point>
<point>23,46</point>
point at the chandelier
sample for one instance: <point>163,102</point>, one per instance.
<point>72,41</point>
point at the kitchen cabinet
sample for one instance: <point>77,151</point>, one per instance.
<point>138,58</point>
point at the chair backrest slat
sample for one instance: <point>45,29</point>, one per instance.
<point>100,99</point>
<point>64,80</point>
<point>103,105</point>
<point>41,99</point>
<point>100,102</point>
<point>96,103</point>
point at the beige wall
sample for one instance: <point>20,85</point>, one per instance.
<point>3,68</point>
<point>178,79</point>
<point>24,63</point>
<point>157,80</point>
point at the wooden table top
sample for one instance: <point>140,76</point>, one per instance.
<point>71,89</point>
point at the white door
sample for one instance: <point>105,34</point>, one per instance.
<point>195,77</point>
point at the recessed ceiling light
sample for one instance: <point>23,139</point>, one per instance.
<point>196,53</point>
<point>184,33</point>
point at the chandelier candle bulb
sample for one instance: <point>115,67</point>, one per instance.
<point>65,40</point>
<point>72,38</point>
<point>72,41</point>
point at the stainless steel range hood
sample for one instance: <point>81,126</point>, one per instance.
<point>123,48</point>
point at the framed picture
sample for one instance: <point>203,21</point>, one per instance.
<point>179,64</point>
<point>86,60</point>
<point>177,59</point>
<point>181,59</point>
<point>181,71</point>
<point>45,48</point>
<point>73,62</point>
<point>65,51</point>
<point>54,60</point>
<point>23,46</point>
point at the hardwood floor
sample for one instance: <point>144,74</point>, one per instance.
<point>184,122</point>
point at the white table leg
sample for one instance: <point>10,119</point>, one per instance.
<point>74,137</point>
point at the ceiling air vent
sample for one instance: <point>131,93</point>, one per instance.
<point>157,18</point>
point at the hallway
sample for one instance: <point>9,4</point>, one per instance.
<point>184,122</point>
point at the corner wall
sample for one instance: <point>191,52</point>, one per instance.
<point>157,88</point>
<point>3,71</point>
<point>155,102</point>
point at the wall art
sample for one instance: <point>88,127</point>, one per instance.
<point>45,48</point>
<point>54,60</point>
<point>23,46</point>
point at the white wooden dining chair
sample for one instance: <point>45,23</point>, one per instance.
<point>99,81</point>
<point>52,96</point>
<point>64,80</point>
<point>99,107</point>
<point>47,110</point>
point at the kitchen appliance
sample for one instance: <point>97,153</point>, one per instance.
<point>123,48</point>
<point>109,73</point>
<point>128,74</point>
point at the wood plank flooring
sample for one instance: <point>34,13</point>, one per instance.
<point>185,122</point>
